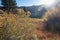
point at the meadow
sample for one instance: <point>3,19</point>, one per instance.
<point>16,27</point>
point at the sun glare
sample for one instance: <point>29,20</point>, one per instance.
<point>48,2</point>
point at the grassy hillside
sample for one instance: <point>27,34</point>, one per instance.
<point>13,27</point>
<point>16,27</point>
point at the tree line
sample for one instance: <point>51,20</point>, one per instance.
<point>11,6</point>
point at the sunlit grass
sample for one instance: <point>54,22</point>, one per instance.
<point>16,27</point>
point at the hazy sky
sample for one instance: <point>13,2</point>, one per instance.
<point>33,2</point>
<point>0,2</point>
<point>27,2</point>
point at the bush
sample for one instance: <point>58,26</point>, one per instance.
<point>28,13</point>
<point>1,11</point>
<point>14,11</point>
<point>52,19</point>
<point>21,13</point>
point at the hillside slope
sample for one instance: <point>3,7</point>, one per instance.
<point>13,27</point>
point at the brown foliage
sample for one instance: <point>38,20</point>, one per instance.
<point>52,18</point>
<point>22,13</point>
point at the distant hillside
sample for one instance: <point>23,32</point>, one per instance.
<point>36,11</point>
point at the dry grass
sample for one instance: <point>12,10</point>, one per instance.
<point>13,27</point>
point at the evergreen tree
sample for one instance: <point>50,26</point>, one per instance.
<point>9,4</point>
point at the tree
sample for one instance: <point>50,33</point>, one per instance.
<point>9,4</point>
